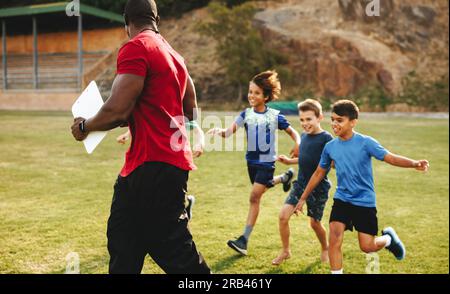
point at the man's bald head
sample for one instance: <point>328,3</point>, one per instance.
<point>141,12</point>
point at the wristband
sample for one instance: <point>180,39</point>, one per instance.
<point>81,126</point>
<point>191,125</point>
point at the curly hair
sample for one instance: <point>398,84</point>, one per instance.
<point>270,84</point>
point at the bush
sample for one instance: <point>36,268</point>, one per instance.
<point>240,47</point>
<point>428,95</point>
<point>432,95</point>
<point>374,97</point>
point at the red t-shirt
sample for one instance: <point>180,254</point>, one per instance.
<point>157,124</point>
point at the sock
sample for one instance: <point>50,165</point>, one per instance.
<point>248,230</point>
<point>386,238</point>
<point>278,179</point>
<point>338,272</point>
<point>284,177</point>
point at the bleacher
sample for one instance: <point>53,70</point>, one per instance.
<point>57,71</point>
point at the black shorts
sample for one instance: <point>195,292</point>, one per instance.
<point>261,175</point>
<point>364,219</point>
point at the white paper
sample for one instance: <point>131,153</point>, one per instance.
<point>86,106</point>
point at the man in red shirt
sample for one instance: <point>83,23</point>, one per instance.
<point>152,93</point>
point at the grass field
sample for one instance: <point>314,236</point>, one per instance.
<point>55,199</point>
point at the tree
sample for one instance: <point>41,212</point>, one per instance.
<point>240,48</point>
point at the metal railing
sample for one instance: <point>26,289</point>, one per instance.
<point>55,71</point>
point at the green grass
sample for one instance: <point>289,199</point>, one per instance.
<point>55,199</point>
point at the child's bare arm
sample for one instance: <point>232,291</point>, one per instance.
<point>286,160</point>
<point>401,161</point>
<point>296,138</point>
<point>315,179</point>
<point>231,130</point>
<point>124,137</point>
<point>224,133</point>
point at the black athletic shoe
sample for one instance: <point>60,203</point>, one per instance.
<point>239,245</point>
<point>287,183</point>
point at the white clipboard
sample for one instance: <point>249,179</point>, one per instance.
<point>86,106</point>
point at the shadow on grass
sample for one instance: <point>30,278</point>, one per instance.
<point>89,266</point>
<point>93,264</point>
<point>310,269</point>
<point>225,263</point>
<point>276,270</point>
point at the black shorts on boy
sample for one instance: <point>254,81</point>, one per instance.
<point>363,219</point>
<point>261,175</point>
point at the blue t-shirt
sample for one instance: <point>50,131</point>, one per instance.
<point>311,147</point>
<point>260,128</point>
<point>352,159</point>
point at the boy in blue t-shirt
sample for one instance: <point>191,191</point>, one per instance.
<point>313,140</point>
<point>354,200</point>
<point>261,124</point>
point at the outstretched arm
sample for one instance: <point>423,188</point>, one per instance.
<point>401,161</point>
<point>315,179</point>
<point>286,160</point>
<point>296,138</point>
<point>224,133</point>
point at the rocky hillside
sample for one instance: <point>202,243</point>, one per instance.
<point>335,46</point>
<point>332,46</point>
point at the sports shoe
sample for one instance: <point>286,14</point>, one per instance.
<point>287,182</point>
<point>397,248</point>
<point>191,201</point>
<point>239,245</point>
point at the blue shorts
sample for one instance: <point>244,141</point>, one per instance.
<point>261,175</point>
<point>315,202</point>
